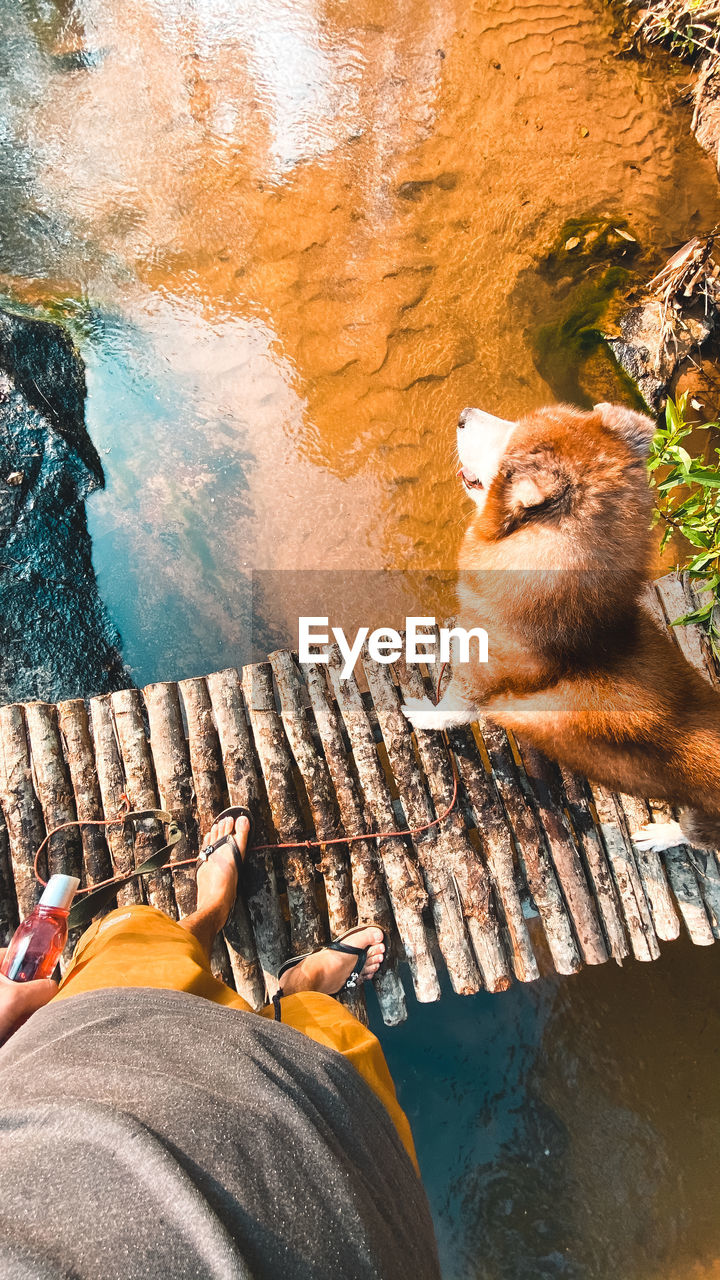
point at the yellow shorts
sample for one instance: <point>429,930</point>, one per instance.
<point>140,947</point>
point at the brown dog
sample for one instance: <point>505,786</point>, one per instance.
<point>553,565</point>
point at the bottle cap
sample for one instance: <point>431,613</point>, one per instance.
<point>59,892</point>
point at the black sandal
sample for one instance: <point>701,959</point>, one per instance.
<point>339,944</point>
<point>235,811</point>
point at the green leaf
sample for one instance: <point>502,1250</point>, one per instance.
<point>707,478</point>
<point>671,415</point>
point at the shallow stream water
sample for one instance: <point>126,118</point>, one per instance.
<point>292,241</point>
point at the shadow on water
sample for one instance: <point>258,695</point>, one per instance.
<point>572,1129</point>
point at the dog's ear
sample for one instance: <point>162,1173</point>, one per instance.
<point>535,489</point>
<point>637,429</point>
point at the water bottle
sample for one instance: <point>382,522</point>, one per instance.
<point>38,942</point>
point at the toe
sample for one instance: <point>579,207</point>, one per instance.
<point>242,832</point>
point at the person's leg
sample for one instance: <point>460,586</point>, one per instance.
<point>138,946</point>
<point>307,1006</point>
<point>217,881</point>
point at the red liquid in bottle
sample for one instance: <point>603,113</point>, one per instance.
<point>37,944</point>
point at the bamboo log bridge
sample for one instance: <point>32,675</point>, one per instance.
<point>532,870</point>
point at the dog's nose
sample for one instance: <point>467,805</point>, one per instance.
<point>464,415</point>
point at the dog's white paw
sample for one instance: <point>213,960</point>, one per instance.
<point>423,714</point>
<point>659,836</point>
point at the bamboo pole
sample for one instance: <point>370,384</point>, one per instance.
<point>466,867</point>
<point>245,788</point>
<point>75,733</point>
<point>618,847</point>
<point>539,871</point>
<point>497,844</point>
<point>593,852</point>
<point>141,792</point>
<point>23,816</point>
<point>111,780</point>
<point>408,895</point>
<point>368,883</point>
<point>307,929</point>
<point>544,780</point>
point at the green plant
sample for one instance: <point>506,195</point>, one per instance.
<point>688,503</point>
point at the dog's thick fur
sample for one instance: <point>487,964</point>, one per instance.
<point>553,565</point>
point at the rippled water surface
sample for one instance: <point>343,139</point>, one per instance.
<point>292,241</point>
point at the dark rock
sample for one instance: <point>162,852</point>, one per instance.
<point>653,343</point>
<point>56,639</point>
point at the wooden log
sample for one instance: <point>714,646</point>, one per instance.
<point>671,598</point>
<point>111,780</point>
<point>171,758</point>
<point>53,789</point>
<point>682,864</point>
<point>142,793</point>
<point>210,791</point>
<point>334,862</point>
<point>539,872</point>
<point>75,733</point>
<point>466,867</point>
<point>432,857</point>
<point>206,765</point>
<point>687,894</point>
<point>704,863</point>
<point>677,598</point>
<point>651,869</point>
<point>497,844</point>
<point>368,883</point>
<point>171,765</point>
<point>618,848</point>
<point>9,917</point>
<point>577,796</point>
<point>307,929</point>
<point>408,894</point>
<point>245,788</point>
<point>699,596</point>
<point>22,811</point>
<point>545,782</point>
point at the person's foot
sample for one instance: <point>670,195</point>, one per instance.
<point>327,971</point>
<point>217,878</point>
